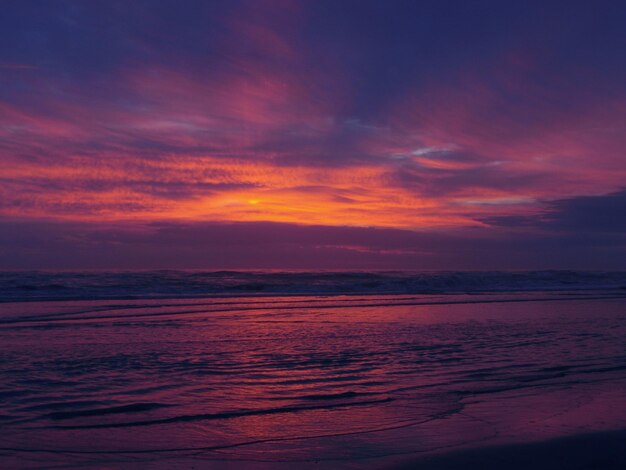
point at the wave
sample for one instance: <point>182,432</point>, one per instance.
<point>39,285</point>
<point>123,409</point>
<point>229,414</point>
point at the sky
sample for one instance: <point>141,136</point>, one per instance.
<point>319,134</point>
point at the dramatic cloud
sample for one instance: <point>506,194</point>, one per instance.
<point>455,119</point>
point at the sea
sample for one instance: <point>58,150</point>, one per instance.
<point>274,369</point>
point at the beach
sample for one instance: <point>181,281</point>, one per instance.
<point>312,234</point>
<point>385,381</point>
<point>599,450</point>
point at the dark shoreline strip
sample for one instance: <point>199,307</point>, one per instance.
<point>600,450</point>
<point>609,444</point>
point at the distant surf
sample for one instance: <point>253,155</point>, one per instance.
<point>42,285</point>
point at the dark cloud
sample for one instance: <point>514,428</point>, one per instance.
<point>578,215</point>
<point>590,214</point>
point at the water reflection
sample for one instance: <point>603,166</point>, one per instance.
<point>300,379</point>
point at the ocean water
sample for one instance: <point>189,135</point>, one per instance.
<point>41,285</point>
<point>349,370</point>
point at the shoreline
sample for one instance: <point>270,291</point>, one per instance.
<point>584,294</point>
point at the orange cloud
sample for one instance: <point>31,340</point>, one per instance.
<point>261,136</point>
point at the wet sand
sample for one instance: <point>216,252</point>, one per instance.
<point>602,451</point>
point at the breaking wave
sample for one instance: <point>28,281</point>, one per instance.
<point>38,285</point>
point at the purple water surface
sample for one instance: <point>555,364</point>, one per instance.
<point>271,382</point>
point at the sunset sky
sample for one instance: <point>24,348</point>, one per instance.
<point>331,134</point>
